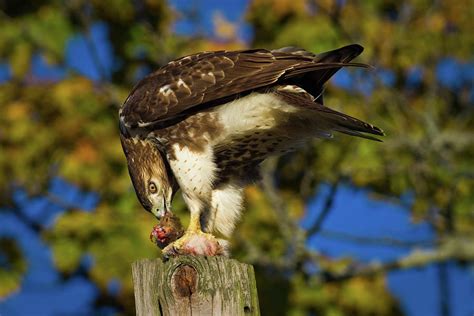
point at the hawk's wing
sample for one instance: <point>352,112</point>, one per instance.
<point>313,81</point>
<point>179,87</point>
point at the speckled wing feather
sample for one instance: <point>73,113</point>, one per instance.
<point>188,83</point>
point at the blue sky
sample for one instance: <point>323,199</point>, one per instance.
<point>418,290</point>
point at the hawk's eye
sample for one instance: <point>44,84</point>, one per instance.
<point>152,187</point>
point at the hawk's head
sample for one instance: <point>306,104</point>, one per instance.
<point>153,181</point>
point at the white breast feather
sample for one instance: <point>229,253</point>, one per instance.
<point>194,171</point>
<point>252,112</point>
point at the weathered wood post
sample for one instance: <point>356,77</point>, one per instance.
<point>188,285</point>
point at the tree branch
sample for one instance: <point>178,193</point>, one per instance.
<point>293,234</point>
<point>286,224</point>
<point>444,292</point>
<point>454,248</point>
<point>377,241</point>
<point>86,23</point>
<point>316,227</point>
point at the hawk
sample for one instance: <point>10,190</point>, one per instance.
<point>203,123</point>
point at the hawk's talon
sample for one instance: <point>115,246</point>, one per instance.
<point>169,252</point>
<point>197,244</point>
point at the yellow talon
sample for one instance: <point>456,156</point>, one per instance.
<point>196,243</point>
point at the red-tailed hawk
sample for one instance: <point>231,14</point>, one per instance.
<point>203,124</point>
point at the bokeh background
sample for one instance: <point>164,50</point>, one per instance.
<point>342,227</point>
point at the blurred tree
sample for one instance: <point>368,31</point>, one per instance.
<point>66,127</point>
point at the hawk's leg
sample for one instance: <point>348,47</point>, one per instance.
<point>195,241</point>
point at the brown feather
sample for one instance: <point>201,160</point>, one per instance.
<point>206,77</point>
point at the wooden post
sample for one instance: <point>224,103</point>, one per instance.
<point>188,285</point>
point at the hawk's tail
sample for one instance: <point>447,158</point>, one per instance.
<point>321,120</point>
<point>346,124</point>
<point>341,122</point>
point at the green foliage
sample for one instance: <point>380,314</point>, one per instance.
<point>69,129</point>
<point>13,268</point>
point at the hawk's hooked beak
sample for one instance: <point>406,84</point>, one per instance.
<point>159,212</point>
<point>163,206</point>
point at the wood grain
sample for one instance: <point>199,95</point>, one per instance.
<point>188,285</point>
